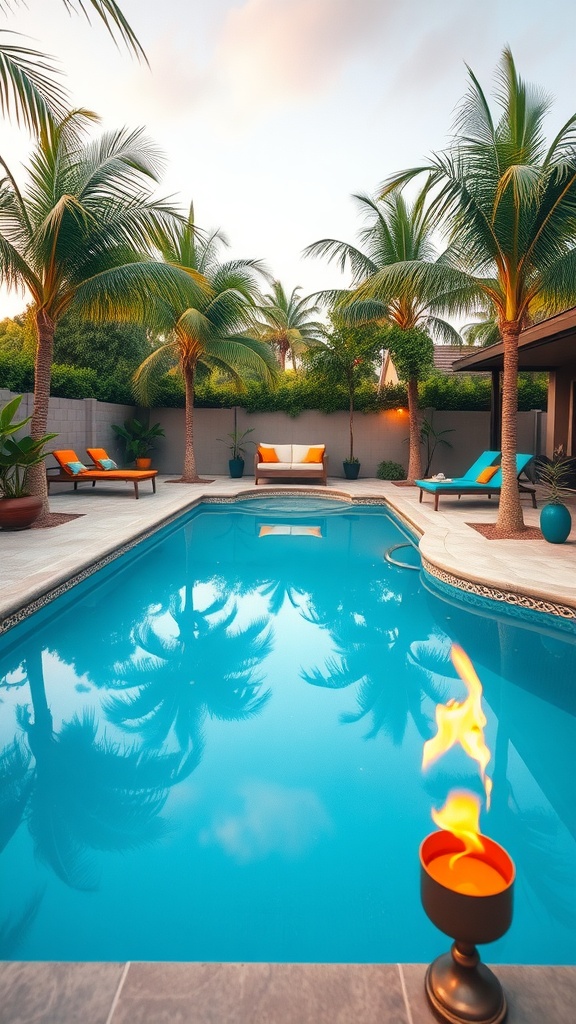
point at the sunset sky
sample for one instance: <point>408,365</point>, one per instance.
<point>271,113</point>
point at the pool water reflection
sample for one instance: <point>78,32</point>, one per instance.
<point>211,751</point>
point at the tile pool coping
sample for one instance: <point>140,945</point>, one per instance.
<point>34,564</point>
<point>257,993</point>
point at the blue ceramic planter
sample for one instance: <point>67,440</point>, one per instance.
<point>555,523</point>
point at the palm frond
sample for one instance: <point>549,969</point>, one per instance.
<point>30,92</point>
<point>114,20</point>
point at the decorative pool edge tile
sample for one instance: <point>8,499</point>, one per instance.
<point>476,593</point>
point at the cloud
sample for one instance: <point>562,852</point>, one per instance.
<point>279,49</point>
<point>273,820</point>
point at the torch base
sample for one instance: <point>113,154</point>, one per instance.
<point>461,990</point>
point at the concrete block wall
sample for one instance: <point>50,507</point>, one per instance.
<point>79,422</point>
<point>82,423</point>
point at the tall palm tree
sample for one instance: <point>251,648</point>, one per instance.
<point>286,324</point>
<point>77,236</point>
<point>509,199</point>
<point>396,233</point>
<point>208,330</point>
<point>29,88</point>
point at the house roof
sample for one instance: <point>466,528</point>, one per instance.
<point>544,346</point>
<point>445,355</point>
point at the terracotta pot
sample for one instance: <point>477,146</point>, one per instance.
<point>19,513</point>
<point>143,463</point>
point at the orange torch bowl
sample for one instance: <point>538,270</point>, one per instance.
<point>467,918</point>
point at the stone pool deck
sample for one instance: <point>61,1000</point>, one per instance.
<point>36,562</point>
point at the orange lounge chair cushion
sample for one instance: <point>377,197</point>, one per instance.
<point>101,458</point>
<point>66,455</point>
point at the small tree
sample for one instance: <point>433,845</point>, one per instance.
<point>413,354</point>
<point>347,357</point>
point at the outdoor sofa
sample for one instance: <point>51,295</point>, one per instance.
<point>71,470</point>
<point>291,462</point>
<point>483,477</point>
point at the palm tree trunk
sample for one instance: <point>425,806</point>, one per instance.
<point>351,424</point>
<point>39,423</point>
<point>190,475</point>
<point>510,518</point>
<point>414,458</point>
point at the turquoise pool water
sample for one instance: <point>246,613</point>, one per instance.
<point>211,749</point>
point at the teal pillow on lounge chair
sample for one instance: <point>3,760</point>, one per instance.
<point>108,464</point>
<point>76,467</point>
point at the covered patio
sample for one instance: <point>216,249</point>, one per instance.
<point>549,346</point>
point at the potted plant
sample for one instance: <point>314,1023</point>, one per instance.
<point>18,508</point>
<point>237,450</point>
<point>554,475</point>
<point>351,467</point>
<point>139,441</point>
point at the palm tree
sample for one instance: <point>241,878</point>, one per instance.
<point>29,87</point>
<point>286,325</point>
<point>509,200</point>
<point>396,234</point>
<point>78,238</point>
<point>208,330</point>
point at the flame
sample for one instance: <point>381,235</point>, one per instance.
<point>461,816</point>
<point>462,722</point>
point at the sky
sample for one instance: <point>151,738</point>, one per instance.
<point>273,113</point>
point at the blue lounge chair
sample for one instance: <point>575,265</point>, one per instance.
<point>472,483</point>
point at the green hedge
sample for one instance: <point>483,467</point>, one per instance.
<point>293,395</point>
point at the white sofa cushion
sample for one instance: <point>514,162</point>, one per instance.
<point>276,466</point>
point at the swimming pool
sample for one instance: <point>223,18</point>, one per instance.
<point>211,750</point>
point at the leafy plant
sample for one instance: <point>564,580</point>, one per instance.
<point>431,438</point>
<point>351,460</point>
<point>237,442</point>
<point>388,470</point>
<point>139,440</point>
<point>555,475</point>
<point>17,455</point>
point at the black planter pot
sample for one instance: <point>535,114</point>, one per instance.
<point>351,470</point>
<point>236,467</point>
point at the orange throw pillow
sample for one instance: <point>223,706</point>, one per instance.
<point>314,455</point>
<point>267,454</point>
<point>486,475</point>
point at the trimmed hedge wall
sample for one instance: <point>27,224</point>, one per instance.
<point>293,394</point>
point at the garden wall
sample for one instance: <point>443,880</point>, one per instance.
<point>82,423</point>
<point>79,422</point>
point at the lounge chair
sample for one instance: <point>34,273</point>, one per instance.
<point>71,469</point>
<point>483,477</point>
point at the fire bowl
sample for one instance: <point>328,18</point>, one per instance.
<point>460,989</point>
